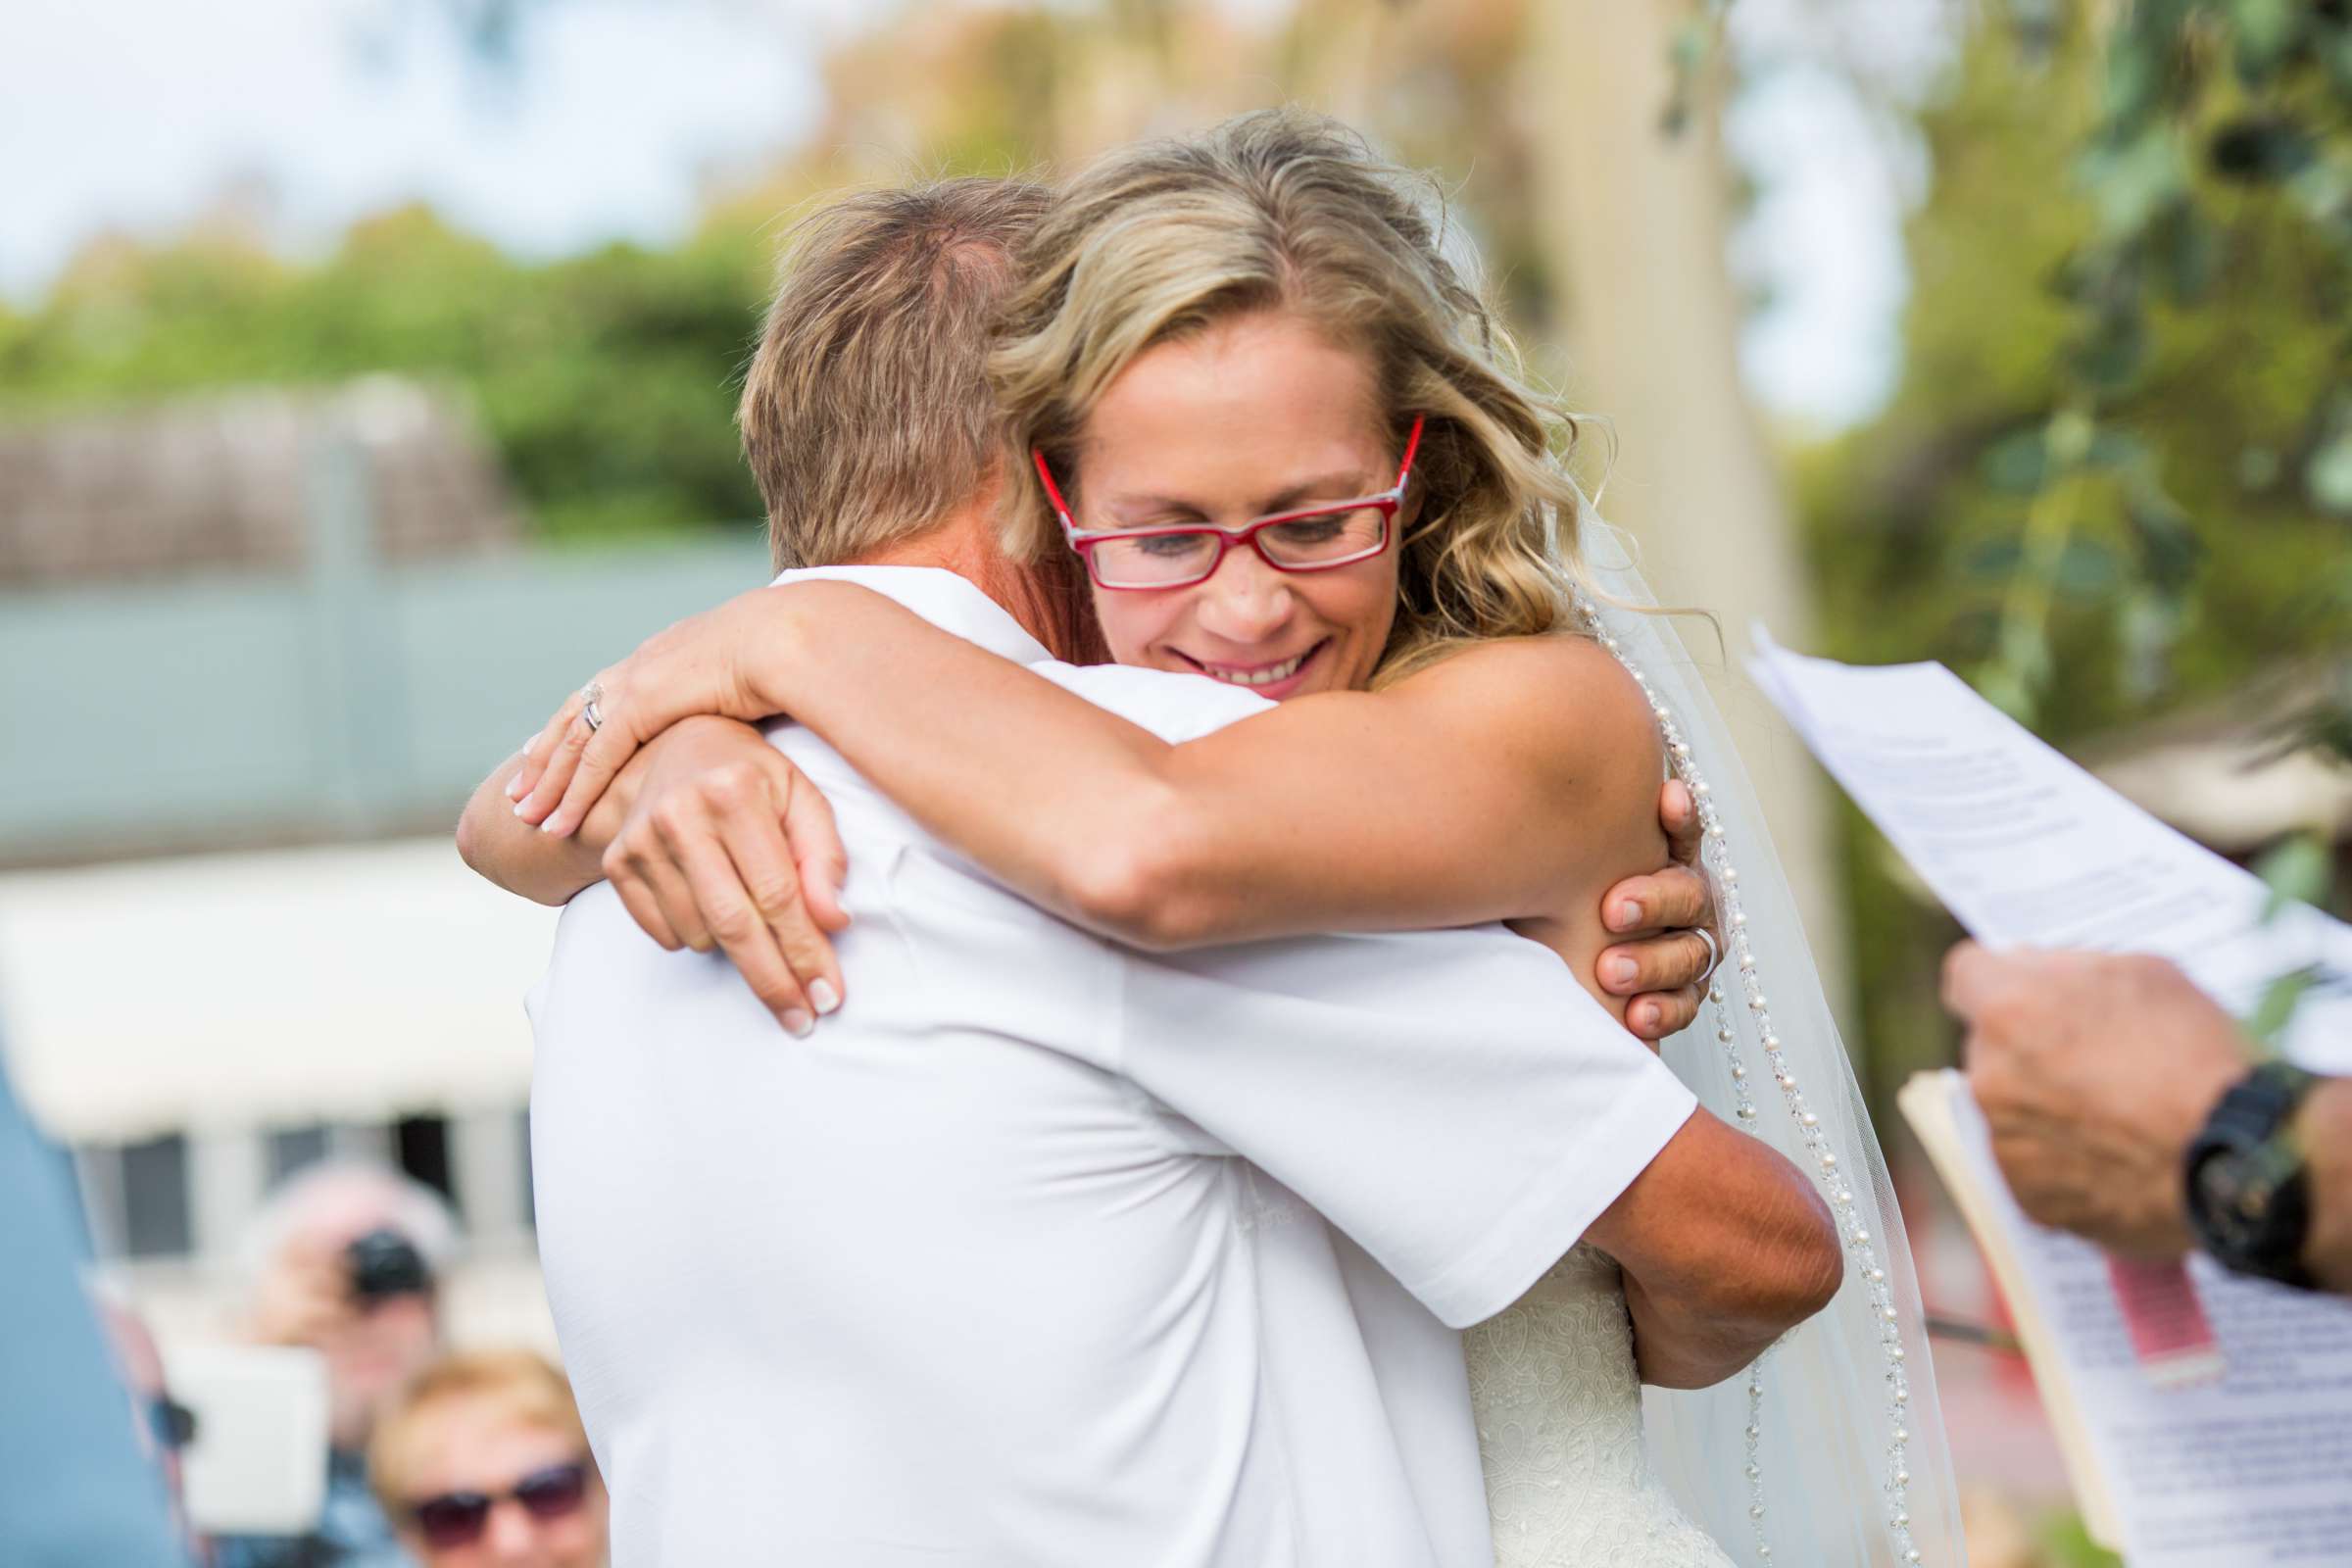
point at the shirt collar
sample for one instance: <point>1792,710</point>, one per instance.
<point>944,599</point>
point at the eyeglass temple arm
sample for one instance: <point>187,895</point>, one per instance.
<point>1413,445</point>
<point>1061,508</point>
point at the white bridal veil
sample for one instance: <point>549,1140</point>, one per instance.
<point>1834,1436</point>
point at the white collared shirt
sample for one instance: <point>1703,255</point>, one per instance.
<point>1044,1252</point>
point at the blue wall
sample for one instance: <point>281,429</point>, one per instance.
<point>353,700</point>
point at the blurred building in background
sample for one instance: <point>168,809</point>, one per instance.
<point>254,650</point>
<point>225,483</point>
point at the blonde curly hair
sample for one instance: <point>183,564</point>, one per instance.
<point>1283,209</point>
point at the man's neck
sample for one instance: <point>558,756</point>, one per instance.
<point>1048,605</point>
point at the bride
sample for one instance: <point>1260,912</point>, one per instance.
<point>1289,442</point>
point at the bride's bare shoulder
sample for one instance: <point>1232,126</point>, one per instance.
<point>1559,690</point>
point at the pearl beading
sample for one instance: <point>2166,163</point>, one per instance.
<point>1828,1174</point>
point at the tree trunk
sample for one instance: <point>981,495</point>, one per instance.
<point>1638,224</point>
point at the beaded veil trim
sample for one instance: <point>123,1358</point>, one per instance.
<point>1830,1169</point>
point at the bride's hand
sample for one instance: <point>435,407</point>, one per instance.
<point>1665,971</point>
<point>703,664</point>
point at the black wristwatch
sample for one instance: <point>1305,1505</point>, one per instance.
<point>2249,1199</point>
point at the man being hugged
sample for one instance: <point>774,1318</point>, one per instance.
<point>1042,1249</point>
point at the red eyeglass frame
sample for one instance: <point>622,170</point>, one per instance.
<point>1389,501</point>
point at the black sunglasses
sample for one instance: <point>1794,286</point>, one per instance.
<point>457,1518</point>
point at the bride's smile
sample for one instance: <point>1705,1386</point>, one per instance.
<point>1253,416</point>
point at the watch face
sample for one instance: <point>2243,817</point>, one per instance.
<point>2222,1200</point>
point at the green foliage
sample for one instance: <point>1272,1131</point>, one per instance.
<point>607,383</point>
<point>2069,1546</point>
<point>2300,870</point>
<point>2214,126</point>
<point>2107,531</point>
<point>2103,546</point>
<point>2276,1008</point>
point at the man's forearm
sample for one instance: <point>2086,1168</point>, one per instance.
<point>1724,1247</point>
<point>2324,1128</point>
<point>1676,1347</point>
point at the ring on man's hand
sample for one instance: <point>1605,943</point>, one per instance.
<point>591,695</point>
<point>1714,952</point>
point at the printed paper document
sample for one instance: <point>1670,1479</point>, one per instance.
<point>2027,848</point>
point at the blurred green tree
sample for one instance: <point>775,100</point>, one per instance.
<point>606,381</point>
<point>2214,151</point>
<point>2093,488</point>
<point>2007,494</point>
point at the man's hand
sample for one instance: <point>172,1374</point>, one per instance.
<point>303,1296</point>
<point>1664,972</point>
<point>2093,1072</point>
<point>727,844</point>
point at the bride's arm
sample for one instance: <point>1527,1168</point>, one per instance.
<point>1476,790</point>
<point>712,839</point>
<point>509,853</point>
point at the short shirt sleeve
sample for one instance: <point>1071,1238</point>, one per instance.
<point>1451,1099</point>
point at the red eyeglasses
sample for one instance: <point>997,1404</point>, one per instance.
<point>1180,555</point>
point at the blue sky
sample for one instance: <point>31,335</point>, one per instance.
<point>138,115</point>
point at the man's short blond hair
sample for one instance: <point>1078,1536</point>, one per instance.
<point>519,1385</point>
<point>866,416</point>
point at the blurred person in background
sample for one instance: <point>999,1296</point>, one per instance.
<point>2127,1107</point>
<point>74,1491</point>
<point>346,1258</point>
<point>481,1462</point>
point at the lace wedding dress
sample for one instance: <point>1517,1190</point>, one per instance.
<point>1558,1403</point>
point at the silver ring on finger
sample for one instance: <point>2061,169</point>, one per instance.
<point>591,695</point>
<point>1714,952</point>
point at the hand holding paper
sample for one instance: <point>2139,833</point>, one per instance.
<point>2093,1071</point>
<point>2251,1462</point>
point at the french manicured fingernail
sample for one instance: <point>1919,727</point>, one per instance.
<point>1623,970</point>
<point>822,997</point>
<point>1629,916</point>
<point>515,786</point>
<point>799,1024</point>
<point>519,806</point>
